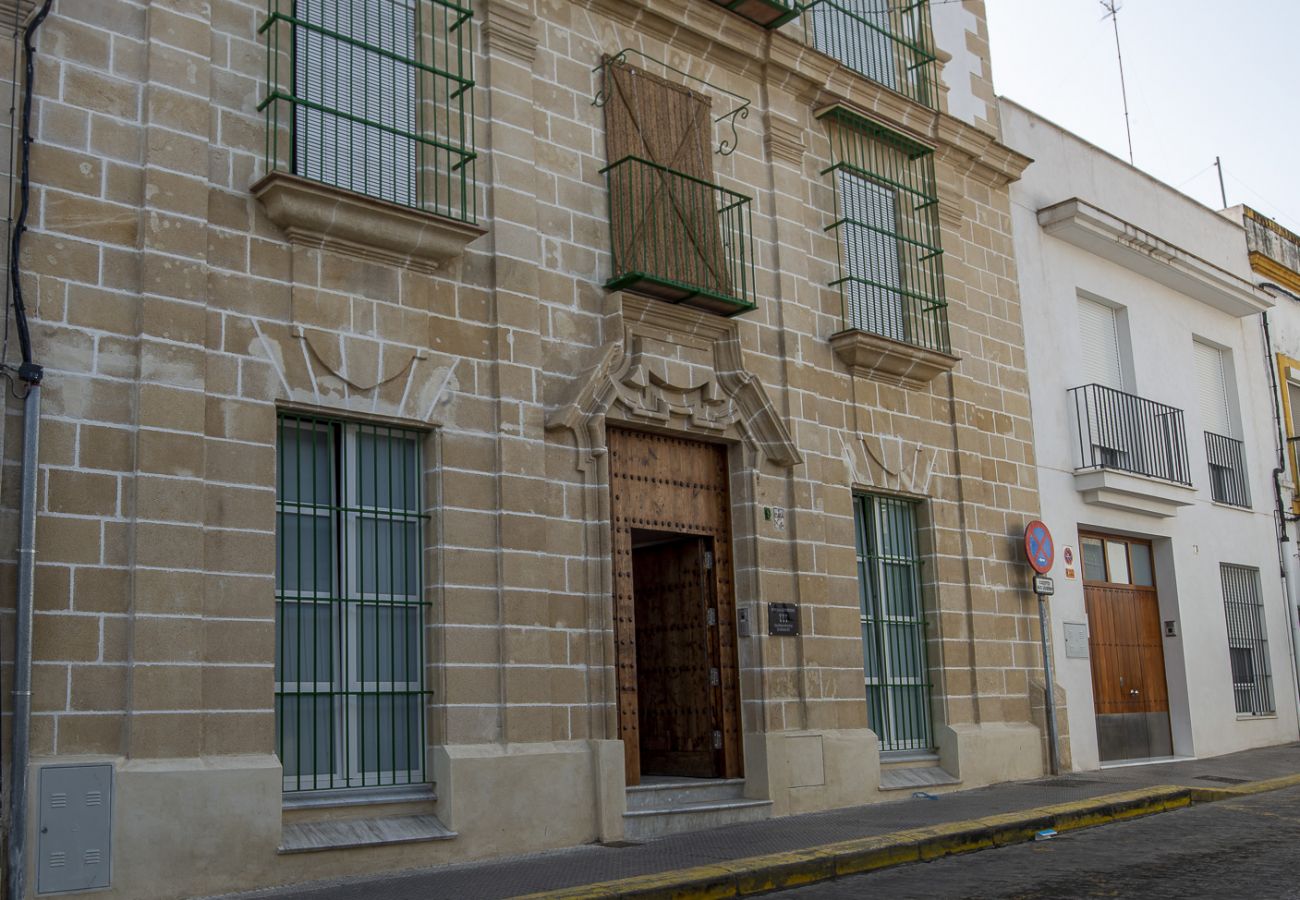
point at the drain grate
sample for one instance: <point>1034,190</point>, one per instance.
<point>1222,779</point>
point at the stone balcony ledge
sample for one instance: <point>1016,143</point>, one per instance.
<point>321,215</point>
<point>889,361</point>
<point>1130,492</point>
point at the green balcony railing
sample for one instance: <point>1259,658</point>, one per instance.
<point>768,13</point>
<point>888,41</point>
<point>376,97</point>
<point>679,238</point>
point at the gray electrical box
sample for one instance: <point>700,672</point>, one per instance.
<point>1076,640</point>
<point>73,846</point>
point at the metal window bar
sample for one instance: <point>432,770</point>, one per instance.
<point>895,669</point>
<point>887,41</point>
<point>1227,463</point>
<point>887,228</point>
<point>1252,683</point>
<point>1118,430</point>
<point>374,96</point>
<point>680,238</point>
<point>349,663</point>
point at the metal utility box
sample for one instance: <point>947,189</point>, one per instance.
<point>1076,640</point>
<point>74,839</point>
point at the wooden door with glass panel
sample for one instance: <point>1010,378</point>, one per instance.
<point>1126,648</point>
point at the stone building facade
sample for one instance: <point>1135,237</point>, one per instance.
<point>215,302</point>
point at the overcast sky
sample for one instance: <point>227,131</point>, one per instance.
<point>1205,78</point>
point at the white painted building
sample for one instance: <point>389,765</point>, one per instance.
<point>1275,261</point>
<point>1155,452</point>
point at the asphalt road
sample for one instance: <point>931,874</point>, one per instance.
<point>1247,848</point>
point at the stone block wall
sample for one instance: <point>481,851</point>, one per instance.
<point>174,318</point>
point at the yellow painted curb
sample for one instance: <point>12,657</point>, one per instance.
<point>777,871</point>
<point>1210,795</point>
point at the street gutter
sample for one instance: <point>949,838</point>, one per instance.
<point>780,871</point>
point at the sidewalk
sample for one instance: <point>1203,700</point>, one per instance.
<point>751,858</point>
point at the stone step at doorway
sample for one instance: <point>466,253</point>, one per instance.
<point>662,806</point>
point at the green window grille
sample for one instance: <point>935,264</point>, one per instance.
<point>1252,681</point>
<point>887,41</point>
<point>887,229</point>
<point>895,670</point>
<point>374,96</point>
<point>349,656</point>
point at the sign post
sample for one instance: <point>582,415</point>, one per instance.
<point>1041,552</point>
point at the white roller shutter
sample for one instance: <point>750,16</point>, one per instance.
<point>870,247</point>
<point>358,96</point>
<point>1099,339</point>
<point>859,35</point>
<point>1212,389</point>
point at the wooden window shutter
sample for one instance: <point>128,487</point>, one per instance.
<point>658,137</point>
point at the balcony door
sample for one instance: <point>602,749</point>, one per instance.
<point>1126,649</point>
<point>1099,339</point>
<point>659,140</point>
<point>1103,364</point>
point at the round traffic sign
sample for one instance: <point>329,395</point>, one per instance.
<point>1039,549</point>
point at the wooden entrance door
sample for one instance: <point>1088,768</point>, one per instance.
<point>678,702</point>
<point>1126,647</point>
<point>676,490</point>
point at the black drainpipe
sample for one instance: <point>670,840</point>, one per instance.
<point>30,373</point>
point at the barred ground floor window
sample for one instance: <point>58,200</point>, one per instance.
<point>349,659</point>
<point>1252,682</point>
<point>895,667</point>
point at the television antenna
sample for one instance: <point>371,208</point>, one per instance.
<point>1112,8</point>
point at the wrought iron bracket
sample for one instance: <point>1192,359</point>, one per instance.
<point>726,146</point>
